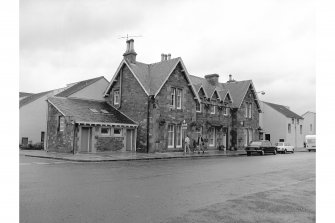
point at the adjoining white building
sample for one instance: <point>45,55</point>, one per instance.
<point>309,127</point>
<point>33,109</point>
<point>279,124</point>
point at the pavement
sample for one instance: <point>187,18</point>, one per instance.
<point>128,156</point>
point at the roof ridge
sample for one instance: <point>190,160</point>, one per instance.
<point>74,98</point>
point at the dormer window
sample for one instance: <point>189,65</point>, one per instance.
<point>176,98</point>
<point>116,97</point>
<point>212,107</point>
<point>225,111</point>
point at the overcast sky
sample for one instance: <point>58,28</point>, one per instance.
<point>271,42</point>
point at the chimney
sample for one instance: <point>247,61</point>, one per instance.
<point>213,79</point>
<point>230,78</point>
<point>165,56</point>
<point>130,54</point>
<point>169,56</point>
<point>162,57</point>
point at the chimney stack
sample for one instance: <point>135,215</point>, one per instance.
<point>162,57</point>
<point>230,78</point>
<point>169,56</point>
<point>130,54</point>
<point>213,79</point>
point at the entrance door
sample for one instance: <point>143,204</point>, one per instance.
<point>85,139</point>
<point>130,140</point>
<point>224,140</point>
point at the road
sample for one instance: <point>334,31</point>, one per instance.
<point>267,188</point>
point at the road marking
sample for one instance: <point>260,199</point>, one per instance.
<point>41,163</point>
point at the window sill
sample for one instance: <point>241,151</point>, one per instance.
<point>170,147</point>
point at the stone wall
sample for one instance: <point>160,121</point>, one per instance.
<point>133,103</point>
<point>58,141</point>
<point>109,144</point>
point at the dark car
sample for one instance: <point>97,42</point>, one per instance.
<point>261,147</point>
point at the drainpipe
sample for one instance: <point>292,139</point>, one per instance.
<point>74,136</point>
<point>148,123</point>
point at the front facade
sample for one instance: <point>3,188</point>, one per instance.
<point>309,127</point>
<point>280,124</point>
<point>163,98</point>
<point>88,126</point>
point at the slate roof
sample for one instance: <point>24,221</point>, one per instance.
<point>238,89</point>
<point>284,110</point>
<point>152,76</point>
<point>79,110</point>
<point>32,98</point>
<point>77,87</point>
<point>24,94</point>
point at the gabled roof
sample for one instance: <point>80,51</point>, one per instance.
<point>153,76</point>
<point>79,111</point>
<point>283,109</point>
<point>238,90</point>
<point>33,97</point>
<point>78,86</point>
<point>24,94</point>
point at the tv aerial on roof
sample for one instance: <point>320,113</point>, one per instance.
<point>127,36</point>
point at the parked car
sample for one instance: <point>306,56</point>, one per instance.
<point>261,147</point>
<point>284,147</point>
<point>310,142</point>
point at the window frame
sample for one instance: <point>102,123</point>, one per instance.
<point>105,134</point>
<point>180,136</point>
<point>289,128</point>
<point>173,97</point>
<point>212,109</point>
<point>198,103</point>
<point>250,110</point>
<point>116,102</point>
<point>179,93</point>
<point>172,134</point>
<point>119,134</point>
<point>61,123</point>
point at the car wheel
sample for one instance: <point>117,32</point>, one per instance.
<point>292,150</point>
<point>248,153</point>
<point>285,151</point>
<point>309,150</point>
<point>274,152</point>
<point>262,153</point>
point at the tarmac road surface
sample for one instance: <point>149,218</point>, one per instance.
<point>266,188</point>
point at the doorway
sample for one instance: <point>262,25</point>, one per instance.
<point>267,137</point>
<point>85,139</point>
<point>130,136</point>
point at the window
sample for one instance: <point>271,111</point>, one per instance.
<point>225,111</point>
<point>292,120</point>
<point>250,107</point>
<point>178,136</point>
<point>117,132</point>
<point>211,134</point>
<point>289,128</point>
<point>212,109</point>
<point>116,97</point>
<point>300,129</point>
<point>246,110</point>
<point>311,127</point>
<point>170,136</point>
<point>197,107</point>
<point>105,131</point>
<point>199,130</point>
<point>178,99</point>
<point>173,97</point>
<point>176,95</point>
<point>61,123</point>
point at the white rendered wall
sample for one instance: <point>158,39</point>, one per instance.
<point>309,118</point>
<point>94,91</point>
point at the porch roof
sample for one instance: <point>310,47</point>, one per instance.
<point>90,112</point>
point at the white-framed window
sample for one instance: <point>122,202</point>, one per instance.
<point>197,106</point>
<point>170,136</point>
<point>61,123</point>
<point>225,111</point>
<point>117,132</point>
<point>116,97</point>
<point>212,109</point>
<point>178,99</point>
<point>173,97</point>
<point>211,136</point>
<point>292,120</point>
<point>250,107</point>
<point>246,110</point>
<point>179,136</point>
<point>105,131</point>
<point>289,128</point>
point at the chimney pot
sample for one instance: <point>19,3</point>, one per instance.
<point>169,56</point>
<point>162,56</point>
<point>130,54</point>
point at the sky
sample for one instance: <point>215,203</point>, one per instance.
<point>271,42</point>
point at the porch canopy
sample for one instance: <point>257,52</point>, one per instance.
<point>91,112</point>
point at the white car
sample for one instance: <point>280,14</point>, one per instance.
<point>284,147</point>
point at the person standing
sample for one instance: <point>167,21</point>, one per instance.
<point>187,145</point>
<point>200,144</point>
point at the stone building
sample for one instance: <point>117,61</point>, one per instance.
<point>161,96</point>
